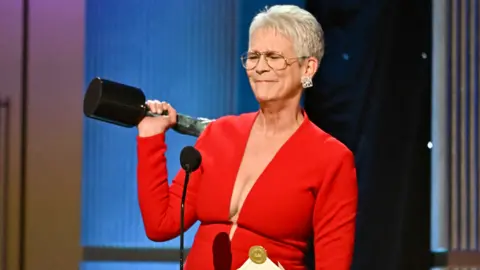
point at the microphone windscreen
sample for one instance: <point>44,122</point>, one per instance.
<point>190,159</point>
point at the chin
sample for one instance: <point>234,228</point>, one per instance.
<point>266,94</point>
<point>262,95</point>
<point>266,98</point>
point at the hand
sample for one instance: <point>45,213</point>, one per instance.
<point>150,126</point>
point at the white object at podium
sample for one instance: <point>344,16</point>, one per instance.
<point>258,260</point>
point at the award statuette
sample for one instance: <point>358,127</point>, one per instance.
<point>124,105</point>
<point>258,259</point>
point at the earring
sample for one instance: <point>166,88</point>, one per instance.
<point>307,82</point>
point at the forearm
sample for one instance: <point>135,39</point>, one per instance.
<point>159,203</point>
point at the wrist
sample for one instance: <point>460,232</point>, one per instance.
<point>149,133</point>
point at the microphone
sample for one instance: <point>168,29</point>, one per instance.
<point>190,160</point>
<point>124,105</point>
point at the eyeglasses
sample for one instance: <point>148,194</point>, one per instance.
<point>275,60</point>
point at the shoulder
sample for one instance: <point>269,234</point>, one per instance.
<point>225,129</point>
<point>325,153</point>
<point>230,124</point>
<point>325,144</point>
<point>333,161</point>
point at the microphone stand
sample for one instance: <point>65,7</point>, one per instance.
<point>182,217</point>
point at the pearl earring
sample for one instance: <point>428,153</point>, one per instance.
<point>307,82</point>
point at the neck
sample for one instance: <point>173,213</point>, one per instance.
<point>279,117</point>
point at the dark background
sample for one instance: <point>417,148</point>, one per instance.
<point>373,93</point>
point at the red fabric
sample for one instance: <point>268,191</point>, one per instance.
<point>308,192</point>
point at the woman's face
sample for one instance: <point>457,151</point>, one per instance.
<point>273,78</point>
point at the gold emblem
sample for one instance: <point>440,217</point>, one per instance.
<point>257,254</point>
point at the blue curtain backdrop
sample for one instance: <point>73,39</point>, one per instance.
<point>182,52</point>
<point>186,52</point>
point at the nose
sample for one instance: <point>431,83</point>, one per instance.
<point>262,65</point>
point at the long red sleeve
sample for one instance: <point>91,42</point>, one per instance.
<point>335,212</point>
<point>159,202</point>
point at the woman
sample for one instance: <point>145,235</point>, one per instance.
<point>270,178</point>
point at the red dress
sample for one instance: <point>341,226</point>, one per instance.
<point>308,193</point>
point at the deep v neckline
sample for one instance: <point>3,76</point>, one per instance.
<point>245,133</point>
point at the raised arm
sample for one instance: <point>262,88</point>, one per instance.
<point>159,202</point>
<point>335,212</point>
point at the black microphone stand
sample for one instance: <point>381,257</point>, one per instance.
<point>190,159</point>
<point>182,215</point>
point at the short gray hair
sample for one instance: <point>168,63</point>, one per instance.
<point>295,23</point>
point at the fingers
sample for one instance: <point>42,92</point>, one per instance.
<point>158,107</point>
